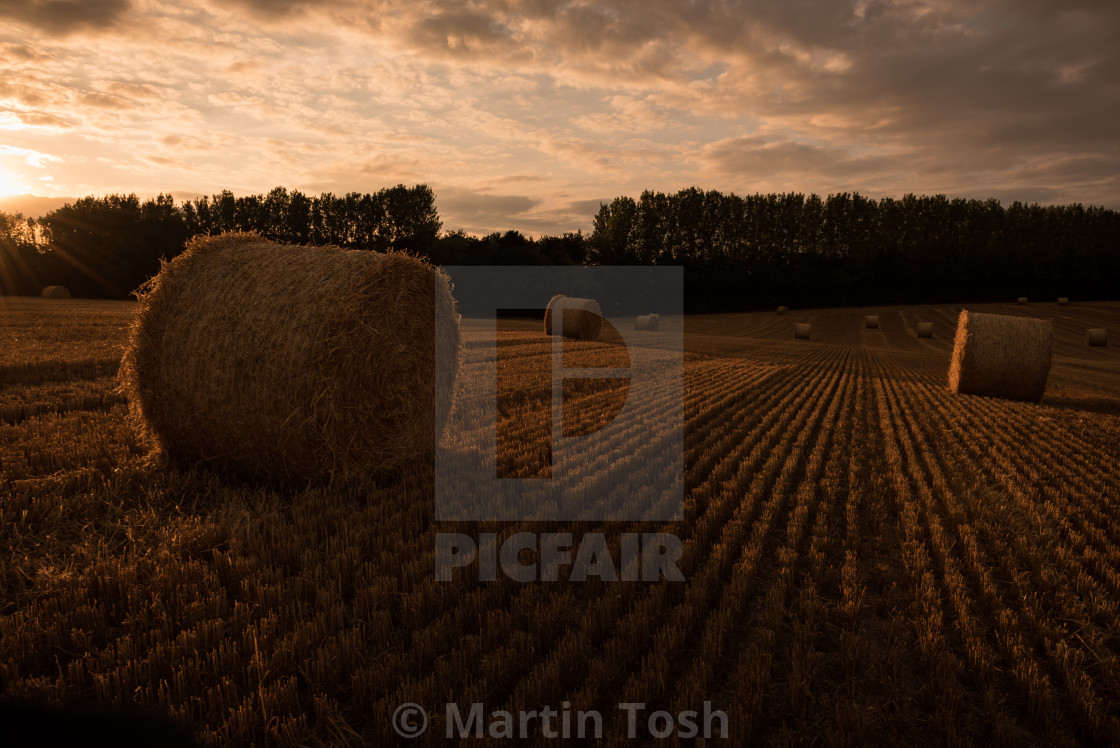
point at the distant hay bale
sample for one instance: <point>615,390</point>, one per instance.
<point>871,321</point>
<point>1022,299</point>
<point>582,318</point>
<point>801,331</point>
<point>925,329</point>
<point>1096,336</point>
<point>783,309</point>
<point>56,292</point>
<point>1000,355</point>
<point>650,322</point>
<point>291,363</point>
<point>1062,301</point>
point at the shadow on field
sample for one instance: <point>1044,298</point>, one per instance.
<point>1097,405</point>
<point>83,724</point>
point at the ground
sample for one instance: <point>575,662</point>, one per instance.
<point>868,558</point>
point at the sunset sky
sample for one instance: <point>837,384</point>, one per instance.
<point>526,114</point>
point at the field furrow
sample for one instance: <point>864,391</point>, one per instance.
<point>868,558</point>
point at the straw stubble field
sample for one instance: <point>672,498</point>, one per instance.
<point>868,557</point>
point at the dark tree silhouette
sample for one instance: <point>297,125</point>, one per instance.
<point>757,251</point>
<point>738,252</point>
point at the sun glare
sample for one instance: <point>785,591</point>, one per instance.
<point>10,184</point>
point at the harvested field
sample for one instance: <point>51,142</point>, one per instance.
<point>868,559</point>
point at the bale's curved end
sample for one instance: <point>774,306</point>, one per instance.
<point>55,292</point>
<point>291,362</point>
<point>1002,356</point>
<point>582,319</point>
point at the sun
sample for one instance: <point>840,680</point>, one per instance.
<point>10,184</point>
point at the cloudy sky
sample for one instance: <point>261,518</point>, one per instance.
<point>527,113</point>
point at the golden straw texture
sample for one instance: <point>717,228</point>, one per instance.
<point>1004,356</point>
<point>582,317</point>
<point>291,363</point>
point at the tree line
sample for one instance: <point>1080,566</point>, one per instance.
<point>105,247</point>
<point>763,250</point>
<point>739,252</point>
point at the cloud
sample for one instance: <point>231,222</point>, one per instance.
<point>753,156</point>
<point>464,33</point>
<point>588,207</point>
<point>522,113</point>
<point>517,179</point>
<point>481,212</point>
<point>38,119</point>
<point>31,157</point>
<point>274,9</point>
<point>103,101</point>
<point>130,90</point>
<point>161,160</point>
<point>62,17</point>
<point>23,94</point>
<point>21,53</point>
<point>624,113</point>
<point>464,205</point>
<point>187,143</point>
<point>359,173</point>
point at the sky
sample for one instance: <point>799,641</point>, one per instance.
<point>527,114</point>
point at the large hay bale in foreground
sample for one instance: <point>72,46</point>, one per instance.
<point>871,321</point>
<point>581,319</point>
<point>1023,300</point>
<point>56,292</point>
<point>925,329</point>
<point>650,322</point>
<point>291,363</point>
<point>783,309</point>
<point>1063,301</point>
<point>1000,355</point>
<point>801,331</point>
<point>1096,336</point>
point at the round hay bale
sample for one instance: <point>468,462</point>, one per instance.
<point>1096,336</point>
<point>871,321</point>
<point>650,322</point>
<point>582,319</point>
<point>56,292</point>
<point>291,363</point>
<point>801,331</point>
<point>925,329</point>
<point>783,309</point>
<point>1022,299</point>
<point>1063,301</point>
<point>1000,355</point>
